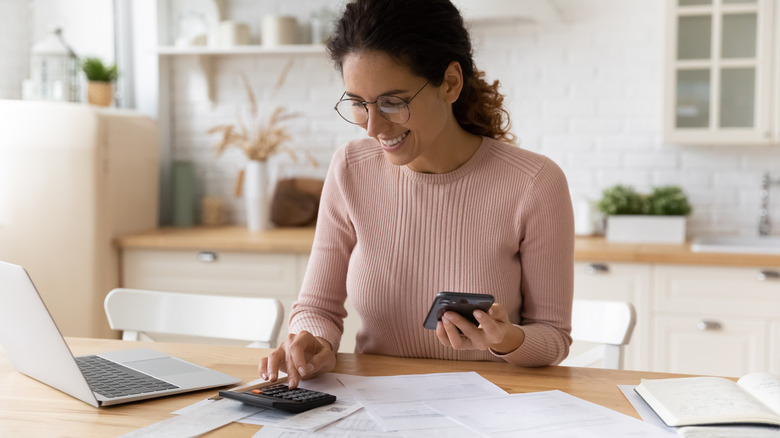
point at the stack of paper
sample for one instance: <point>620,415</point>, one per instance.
<point>464,405</point>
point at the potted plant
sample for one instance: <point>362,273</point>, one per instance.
<point>658,217</point>
<point>100,79</point>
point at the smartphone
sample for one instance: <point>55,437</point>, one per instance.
<point>461,302</point>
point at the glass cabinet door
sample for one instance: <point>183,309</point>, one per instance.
<point>718,69</point>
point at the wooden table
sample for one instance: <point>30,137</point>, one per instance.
<point>29,408</point>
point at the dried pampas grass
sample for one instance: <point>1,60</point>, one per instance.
<point>258,139</point>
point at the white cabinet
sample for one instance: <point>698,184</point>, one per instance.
<point>714,320</point>
<point>219,272</point>
<point>274,275</point>
<point>621,282</point>
<point>720,87</point>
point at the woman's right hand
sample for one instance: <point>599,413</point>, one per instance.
<point>302,356</point>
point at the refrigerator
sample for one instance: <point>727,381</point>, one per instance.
<point>73,178</point>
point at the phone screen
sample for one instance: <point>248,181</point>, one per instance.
<point>461,302</point>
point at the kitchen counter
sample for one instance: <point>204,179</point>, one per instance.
<point>299,240</point>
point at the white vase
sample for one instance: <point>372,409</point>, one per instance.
<point>256,196</point>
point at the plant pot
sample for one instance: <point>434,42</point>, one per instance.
<point>256,197</point>
<point>646,229</point>
<point>100,93</point>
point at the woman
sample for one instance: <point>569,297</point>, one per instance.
<point>434,200</point>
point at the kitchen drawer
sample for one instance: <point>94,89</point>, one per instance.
<point>236,273</point>
<point>747,292</point>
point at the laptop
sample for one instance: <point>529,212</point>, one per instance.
<point>34,345</point>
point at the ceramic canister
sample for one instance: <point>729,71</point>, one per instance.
<point>279,29</point>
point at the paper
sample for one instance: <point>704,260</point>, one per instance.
<point>207,417</point>
<point>322,416</point>
<point>359,424</point>
<point>548,414</point>
<point>398,402</point>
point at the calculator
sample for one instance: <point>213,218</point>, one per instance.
<point>281,397</point>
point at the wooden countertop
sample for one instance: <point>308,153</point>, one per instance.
<point>299,240</point>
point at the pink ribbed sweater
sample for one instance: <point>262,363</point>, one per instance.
<point>391,238</point>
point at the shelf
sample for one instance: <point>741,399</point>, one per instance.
<point>205,54</point>
<point>292,49</point>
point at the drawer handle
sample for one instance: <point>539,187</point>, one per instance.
<point>707,324</point>
<point>207,256</point>
<point>597,268</point>
<point>766,274</point>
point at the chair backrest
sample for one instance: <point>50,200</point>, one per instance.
<point>252,319</point>
<point>608,323</point>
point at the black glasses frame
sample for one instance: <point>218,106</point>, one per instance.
<point>366,103</point>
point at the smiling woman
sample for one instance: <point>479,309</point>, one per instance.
<point>436,200</point>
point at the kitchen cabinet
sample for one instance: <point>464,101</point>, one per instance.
<point>272,275</point>
<point>620,282</point>
<point>217,272</point>
<point>719,82</point>
<point>714,320</point>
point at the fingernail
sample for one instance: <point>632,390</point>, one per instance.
<point>447,318</point>
<point>273,376</point>
<point>301,371</point>
<point>264,376</point>
<point>309,367</point>
<point>479,313</point>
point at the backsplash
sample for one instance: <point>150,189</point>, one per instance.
<point>587,92</point>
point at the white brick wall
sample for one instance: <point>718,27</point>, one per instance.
<point>587,92</point>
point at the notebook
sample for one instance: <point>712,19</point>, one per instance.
<point>34,346</point>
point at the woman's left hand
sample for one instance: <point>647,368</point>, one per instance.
<point>495,331</point>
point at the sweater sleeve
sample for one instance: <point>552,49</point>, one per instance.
<point>547,263</point>
<point>319,308</point>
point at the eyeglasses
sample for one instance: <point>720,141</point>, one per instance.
<point>392,108</point>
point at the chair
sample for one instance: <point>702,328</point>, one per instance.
<point>608,323</point>
<point>142,313</point>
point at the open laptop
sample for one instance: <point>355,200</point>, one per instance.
<point>34,346</point>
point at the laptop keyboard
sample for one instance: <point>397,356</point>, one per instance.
<point>111,379</point>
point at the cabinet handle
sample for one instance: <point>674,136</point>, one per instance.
<point>207,256</point>
<point>597,268</point>
<point>708,324</point>
<point>766,274</point>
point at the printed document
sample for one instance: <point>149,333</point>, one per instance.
<point>548,414</point>
<point>398,402</point>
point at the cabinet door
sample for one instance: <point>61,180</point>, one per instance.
<point>219,272</point>
<point>707,344</point>
<point>718,71</point>
<point>713,320</point>
<point>620,282</point>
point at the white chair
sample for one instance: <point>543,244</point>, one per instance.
<point>608,323</point>
<point>141,314</point>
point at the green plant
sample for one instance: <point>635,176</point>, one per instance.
<point>620,199</point>
<point>668,201</point>
<point>664,200</point>
<point>97,71</point>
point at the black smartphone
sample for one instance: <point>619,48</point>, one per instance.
<point>461,302</point>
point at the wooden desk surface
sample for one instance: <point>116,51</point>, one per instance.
<point>29,408</point>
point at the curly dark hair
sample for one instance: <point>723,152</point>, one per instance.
<point>426,36</point>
